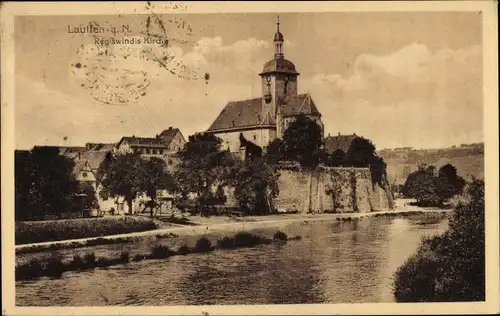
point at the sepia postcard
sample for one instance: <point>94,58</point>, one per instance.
<point>250,158</point>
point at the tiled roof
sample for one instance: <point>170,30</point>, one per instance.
<point>302,103</point>
<point>245,113</point>
<point>240,114</point>
<point>169,134</point>
<point>144,142</point>
<point>95,158</point>
<point>280,65</point>
<point>342,142</point>
<point>99,146</point>
<point>92,159</point>
<point>79,165</point>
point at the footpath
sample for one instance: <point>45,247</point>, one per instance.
<point>245,223</point>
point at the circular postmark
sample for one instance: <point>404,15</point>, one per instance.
<point>118,69</point>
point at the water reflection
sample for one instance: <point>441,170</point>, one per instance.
<point>335,262</point>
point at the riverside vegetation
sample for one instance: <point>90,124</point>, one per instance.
<point>449,267</point>
<point>55,267</point>
<point>43,231</point>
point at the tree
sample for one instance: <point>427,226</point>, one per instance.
<point>274,151</point>
<point>336,159</point>
<point>44,183</point>
<point>449,267</point>
<point>302,142</point>
<point>256,184</point>
<point>429,189</point>
<point>362,153</point>
<point>203,168</point>
<point>154,176</point>
<point>122,177</point>
<point>450,183</point>
<point>421,185</point>
<point>129,175</point>
<point>89,199</point>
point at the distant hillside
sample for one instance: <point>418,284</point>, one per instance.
<point>468,159</point>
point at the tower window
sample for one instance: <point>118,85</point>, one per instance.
<point>254,137</point>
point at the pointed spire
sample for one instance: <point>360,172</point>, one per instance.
<point>278,41</point>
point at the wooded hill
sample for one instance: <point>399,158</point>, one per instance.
<point>468,159</point>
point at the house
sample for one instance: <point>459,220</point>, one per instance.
<point>261,120</point>
<point>342,142</point>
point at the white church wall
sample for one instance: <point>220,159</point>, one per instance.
<point>260,137</point>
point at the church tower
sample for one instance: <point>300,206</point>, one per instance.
<point>279,80</point>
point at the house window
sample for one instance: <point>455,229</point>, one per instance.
<point>254,137</point>
<point>148,151</point>
<point>84,174</point>
<point>169,162</point>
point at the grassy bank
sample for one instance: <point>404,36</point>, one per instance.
<point>35,232</point>
<point>55,267</point>
<point>86,243</point>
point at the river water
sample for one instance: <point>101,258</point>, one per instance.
<point>334,262</point>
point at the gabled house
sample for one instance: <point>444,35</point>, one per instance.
<point>339,142</point>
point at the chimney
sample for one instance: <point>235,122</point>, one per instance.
<point>328,134</point>
<point>339,133</point>
<point>170,127</point>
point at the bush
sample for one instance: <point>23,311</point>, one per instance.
<point>160,252</point>
<point>54,267</point>
<point>226,243</point>
<point>102,262</point>
<point>89,259</point>
<point>203,245</point>
<point>30,270</point>
<point>124,257</point>
<point>77,263</point>
<point>450,267</point>
<point>281,236</point>
<point>139,257</point>
<point>34,232</point>
<point>183,250</point>
<point>244,239</point>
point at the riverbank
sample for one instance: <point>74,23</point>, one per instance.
<point>217,224</point>
<point>55,266</point>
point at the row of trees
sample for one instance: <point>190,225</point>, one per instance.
<point>431,188</point>
<point>303,142</point>
<point>45,183</point>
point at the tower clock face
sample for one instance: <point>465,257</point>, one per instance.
<point>268,78</point>
<point>287,78</point>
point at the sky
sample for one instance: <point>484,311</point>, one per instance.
<point>398,78</point>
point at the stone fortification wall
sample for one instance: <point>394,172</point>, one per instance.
<point>329,189</point>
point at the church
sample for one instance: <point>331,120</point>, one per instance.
<point>264,119</point>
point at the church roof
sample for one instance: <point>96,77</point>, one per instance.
<point>342,142</point>
<point>239,114</point>
<point>300,104</point>
<point>280,65</point>
<point>247,113</point>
